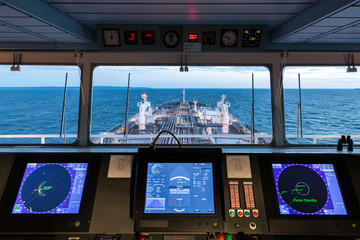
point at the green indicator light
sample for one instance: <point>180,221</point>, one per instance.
<point>247,213</point>
<point>228,236</point>
<point>232,213</point>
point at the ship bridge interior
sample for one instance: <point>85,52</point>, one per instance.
<point>179,119</point>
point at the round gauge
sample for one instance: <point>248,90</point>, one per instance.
<point>251,38</point>
<point>157,169</point>
<point>171,39</point>
<point>229,38</point>
<point>208,38</point>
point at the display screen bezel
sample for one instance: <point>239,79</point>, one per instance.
<point>183,156</point>
<point>48,222</point>
<point>270,193</point>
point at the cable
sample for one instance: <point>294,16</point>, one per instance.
<point>153,144</point>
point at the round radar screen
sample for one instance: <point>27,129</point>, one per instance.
<point>302,189</point>
<point>46,188</point>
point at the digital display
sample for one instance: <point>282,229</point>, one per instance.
<point>148,37</point>
<point>51,188</point>
<point>308,189</point>
<point>193,37</point>
<point>179,188</point>
<point>130,37</point>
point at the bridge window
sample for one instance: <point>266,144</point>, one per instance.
<point>329,104</point>
<point>204,105</point>
<point>32,104</point>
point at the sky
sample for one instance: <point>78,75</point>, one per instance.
<point>171,77</point>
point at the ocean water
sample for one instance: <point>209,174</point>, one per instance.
<point>25,111</point>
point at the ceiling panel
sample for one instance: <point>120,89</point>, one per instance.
<point>317,30</point>
<point>335,40</point>
<point>342,35</point>
<point>182,8</point>
<point>59,35</point>
<point>28,39</point>
<point>23,21</point>
<point>67,40</point>
<point>355,29</point>
<point>163,18</point>
<point>6,29</point>
<point>15,34</point>
<point>302,36</point>
<point>181,1</point>
<point>5,11</point>
<point>271,25</point>
<point>338,22</point>
<point>349,12</point>
<point>43,29</point>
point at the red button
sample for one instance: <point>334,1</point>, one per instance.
<point>221,236</point>
<point>142,237</point>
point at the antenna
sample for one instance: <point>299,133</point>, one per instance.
<point>299,117</point>
<point>252,109</point>
<point>63,115</point>
<point>127,111</point>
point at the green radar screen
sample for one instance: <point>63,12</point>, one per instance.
<point>308,189</point>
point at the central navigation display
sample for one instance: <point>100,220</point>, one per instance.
<point>179,188</point>
<point>308,189</point>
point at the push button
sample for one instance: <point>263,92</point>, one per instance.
<point>232,212</point>
<point>255,212</point>
<point>247,212</point>
<point>228,236</point>
<point>221,236</point>
<point>240,213</point>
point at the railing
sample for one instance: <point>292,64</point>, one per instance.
<point>42,137</point>
<point>316,137</point>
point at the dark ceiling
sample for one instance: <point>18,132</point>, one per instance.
<point>290,22</point>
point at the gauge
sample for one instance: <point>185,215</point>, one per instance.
<point>209,38</point>
<point>130,37</point>
<point>171,39</point>
<point>111,37</point>
<point>148,37</point>
<point>157,169</point>
<point>229,38</point>
<point>252,38</point>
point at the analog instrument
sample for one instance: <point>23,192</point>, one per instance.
<point>157,169</point>
<point>171,39</point>
<point>252,38</point>
<point>229,38</point>
<point>111,37</point>
<point>209,38</point>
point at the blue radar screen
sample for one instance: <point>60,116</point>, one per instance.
<point>51,188</point>
<point>308,189</point>
<point>180,188</point>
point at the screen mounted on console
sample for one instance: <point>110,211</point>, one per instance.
<point>51,188</point>
<point>179,188</point>
<point>308,189</point>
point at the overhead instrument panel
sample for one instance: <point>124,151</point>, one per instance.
<point>181,39</point>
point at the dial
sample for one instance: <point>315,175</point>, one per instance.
<point>252,38</point>
<point>208,38</point>
<point>157,169</point>
<point>111,37</point>
<point>229,38</point>
<point>171,39</point>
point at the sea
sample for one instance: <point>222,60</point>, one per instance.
<point>38,110</point>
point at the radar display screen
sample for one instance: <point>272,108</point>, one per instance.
<point>179,188</point>
<point>51,188</point>
<point>308,189</point>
